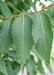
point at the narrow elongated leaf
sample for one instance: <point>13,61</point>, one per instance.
<point>3,67</point>
<point>53,31</point>
<point>5,36</point>
<point>22,36</point>
<point>40,67</point>
<point>10,69</point>
<point>13,7</point>
<point>35,52</point>
<point>51,16</point>
<point>31,66</point>
<point>52,59</point>
<point>39,63</point>
<point>4,9</point>
<point>5,32</point>
<point>15,2</point>
<point>16,67</point>
<point>42,35</point>
<point>1,22</point>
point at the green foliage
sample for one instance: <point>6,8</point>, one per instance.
<point>5,36</point>
<point>22,35</point>
<point>31,66</point>
<point>4,9</point>
<point>3,67</point>
<point>40,68</point>
<point>43,28</point>
<point>12,68</point>
<point>52,59</point>
<point>25,34</point>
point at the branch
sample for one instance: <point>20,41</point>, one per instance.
<point>27,13</point>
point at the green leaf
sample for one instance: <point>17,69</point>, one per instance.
<point>45,0</point>
<point>29,2</point>
<point>5,36</point>
<point>13,7</point>
<point>35,52</point>
<point>26,6</point>
<point>3,67</point>
<point>52,59</point>
<point>16,67</point>
<point>39,63</point>
<point>23,6</point>
<point>51,16</point>
<point>32,16</point>
<point>51,9</point>
<point>43,36</point>
<point>12,55</point>
<point>53,31</point>
<point>31,66</point>
<point>32,4</point>
<point>22,36</point>
<point>10,70</point>
<point>5,32</point>
<point>49,67</point>
<point>35,1</point>
<point>40,67</point>
<point>12,67</point>
<point>4,9</point>
<point>1,22</point>
<point>15,2</point>
<point>1,73</point>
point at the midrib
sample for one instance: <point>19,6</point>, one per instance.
<point>43,31</point>
<point>22,36</point>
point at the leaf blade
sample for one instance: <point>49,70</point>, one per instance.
<point>3,67</point>
<point>4,9</point>
<point>41,31</point>
<point>22,36</point>
<point>5,36</point>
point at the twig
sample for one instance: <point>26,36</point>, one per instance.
<point>27,13</point>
